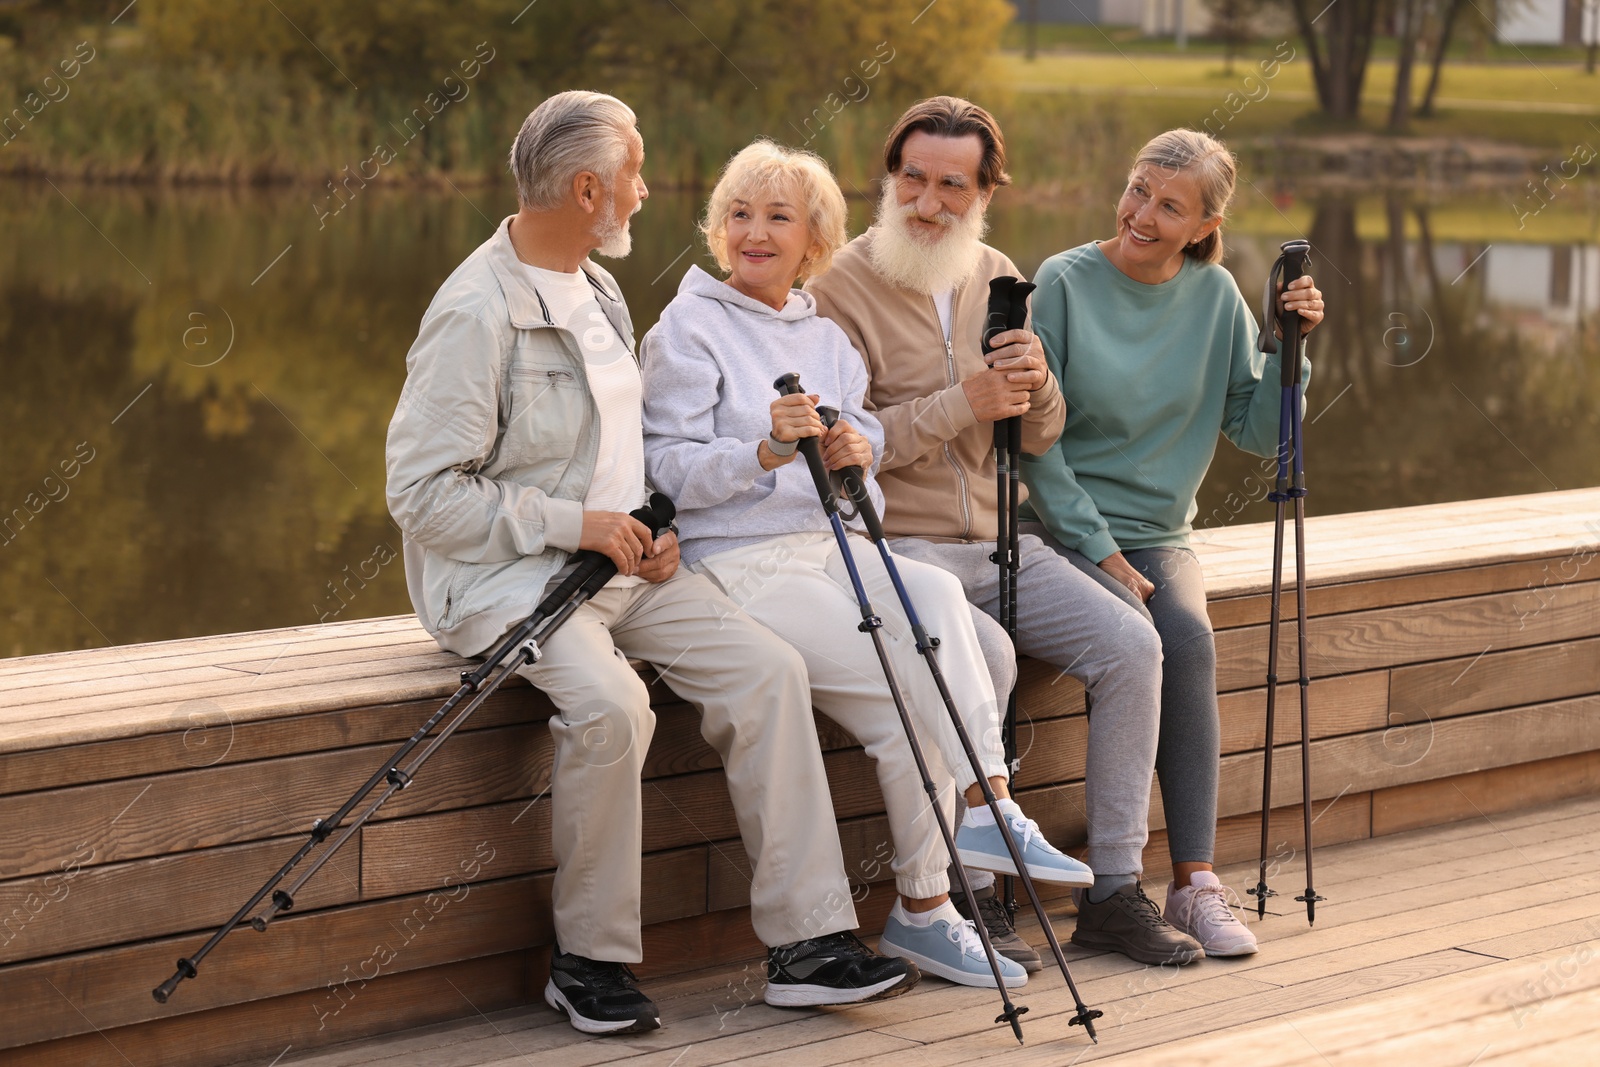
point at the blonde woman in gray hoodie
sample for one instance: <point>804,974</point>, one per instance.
<point>722,445</point>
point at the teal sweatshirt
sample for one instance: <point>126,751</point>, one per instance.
<point>1151,373</point>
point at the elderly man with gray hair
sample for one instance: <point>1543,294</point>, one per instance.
<point>517,442</point>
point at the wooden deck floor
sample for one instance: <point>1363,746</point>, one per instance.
<point>1476,942</point>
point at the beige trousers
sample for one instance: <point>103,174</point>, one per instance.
<point>798,587</point>
<point>750,687</point>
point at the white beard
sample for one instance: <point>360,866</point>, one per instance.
<point>614,234</point>
<point>923,264</point>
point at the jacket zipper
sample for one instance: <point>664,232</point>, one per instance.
<point>950,379</point>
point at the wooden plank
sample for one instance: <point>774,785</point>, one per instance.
<point>1433,584</point>
<point>1415,752</point>
<point>1423,930</point>
<point>260,1030</point>
<point>1051,1041</point>
<point>1483,793</point>
<point>1547,941</point>
<point>1499,679</point>
<point>208,738</point>
<point>1339,704</point>
<point>327,951</point>
<point>134,656</point>
<point>330,951</point>
<point>82,906</point>
<point>19,678</point>
<point>229,804</point>
<point>70,700</point>
<point>1342,644</point>
<point>1460,1015</point>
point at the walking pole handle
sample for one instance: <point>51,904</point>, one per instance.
<point>998,321</point>
<point>1016,319</point>
<point>811,449</point>
<point>1294,261</point>
<point>854,481</point>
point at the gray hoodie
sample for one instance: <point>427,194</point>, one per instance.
<point>708,368</point>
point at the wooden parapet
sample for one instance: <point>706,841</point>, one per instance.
<point>146,791</point>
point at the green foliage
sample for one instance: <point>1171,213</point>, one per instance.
<point>303,88</point>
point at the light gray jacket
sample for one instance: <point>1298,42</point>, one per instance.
<point>709,365</point>
<point>492,446</point>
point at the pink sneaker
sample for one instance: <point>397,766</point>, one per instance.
<point>1201,911</point>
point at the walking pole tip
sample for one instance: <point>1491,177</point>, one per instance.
<point>1013,1015</point>
<point>1085,1018</point>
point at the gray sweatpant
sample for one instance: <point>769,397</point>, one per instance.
<point>1069,620</point>
<point>1187,760</point>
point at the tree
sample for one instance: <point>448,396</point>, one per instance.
<point>1231,21</point>
<point>1339,38</point>
<point>1452,11</point>
<point>1408,28</point>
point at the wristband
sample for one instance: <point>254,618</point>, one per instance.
<point>781,449</point>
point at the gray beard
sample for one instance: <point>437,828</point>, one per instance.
<point>928,267</point>
<point>614,234</point>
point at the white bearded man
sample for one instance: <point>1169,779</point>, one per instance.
<point>912,295</point>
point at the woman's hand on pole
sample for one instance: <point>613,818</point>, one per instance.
<point>793,417</point>
<point>661,561</point>
<point>1118,567</point>
<point>620,537</point>
<point>1303,296</point>
<point>843,447</point>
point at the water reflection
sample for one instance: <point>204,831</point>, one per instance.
<point>217,373</point>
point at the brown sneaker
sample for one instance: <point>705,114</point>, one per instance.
<point>1130,923</point>
<point>1002,931</point>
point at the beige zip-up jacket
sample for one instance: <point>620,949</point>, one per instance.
<point>938,473</point>
<point>492,446</point>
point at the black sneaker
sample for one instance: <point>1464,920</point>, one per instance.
<point>598,997</point>
<point>836,969</point>
<point>1002,931</point>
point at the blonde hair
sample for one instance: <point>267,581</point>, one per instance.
<point>1214,170</point>
<point>764,167</point>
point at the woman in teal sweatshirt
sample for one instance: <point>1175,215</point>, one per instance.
<point>1155,349</point>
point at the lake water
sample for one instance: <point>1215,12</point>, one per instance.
<point>197,382</point>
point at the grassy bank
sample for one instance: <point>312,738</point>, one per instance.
<point>1069,115</point>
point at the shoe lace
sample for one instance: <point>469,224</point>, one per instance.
<point>608,977</point>
<point>1144,910</point>
<point>1210,904</point>
<point>843,943</point>
<point>1026,830</point>
<point>965,935</point>
<point>996,918</point>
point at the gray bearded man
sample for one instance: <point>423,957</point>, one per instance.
<point>912,295</point>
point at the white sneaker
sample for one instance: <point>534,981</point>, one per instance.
<point>1201,911</point>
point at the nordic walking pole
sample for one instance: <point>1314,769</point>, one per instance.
<point>1291,349</point>
<point>1290,485</point>
<point>1008,310</point>
<point>872,625</point>
<point>855,485</point>
<point>592,571</point>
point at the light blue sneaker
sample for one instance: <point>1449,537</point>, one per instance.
<point>983,847</point>
<point>948,947</point>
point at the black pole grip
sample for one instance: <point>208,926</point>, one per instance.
<point>1017,316</point>
<point>998,321</point>
<point>1295,259</point>
<point>999,318</point>
<point>811,449</point>
<point>855,483</point>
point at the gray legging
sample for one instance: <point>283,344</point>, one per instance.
<point>1189,749</point>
